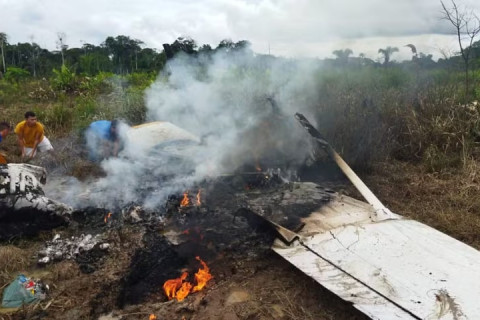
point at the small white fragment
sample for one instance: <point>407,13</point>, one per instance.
<point>44,260</point>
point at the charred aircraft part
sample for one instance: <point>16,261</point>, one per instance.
<point>24,209</point>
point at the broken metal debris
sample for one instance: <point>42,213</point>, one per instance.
<point>24,209</point>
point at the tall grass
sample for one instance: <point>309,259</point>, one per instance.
<point>375,114</point>
<point>369,113</point>
<point>70,102</point>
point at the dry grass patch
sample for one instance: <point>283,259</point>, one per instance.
<point>12,260</point>
<point>447,201</point>
<point>64,270</point>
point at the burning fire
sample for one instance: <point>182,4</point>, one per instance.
<point>171,286</point>
<point>179,288</point>
<point>202,276</point>
<point>185,201</point>
<point>152,317</point>
<point>107,216</point>
<point>199,200</point>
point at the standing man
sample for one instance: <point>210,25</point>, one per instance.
<point>31,137</point>
<point>4,130</point>
<point>102,139</point>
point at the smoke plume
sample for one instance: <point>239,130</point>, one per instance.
<point>240,106</point>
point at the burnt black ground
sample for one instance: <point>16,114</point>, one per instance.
<point>223,224</point>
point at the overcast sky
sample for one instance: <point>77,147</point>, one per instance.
<point>291,28</point>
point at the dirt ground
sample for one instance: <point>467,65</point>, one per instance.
<point>244,286</point>
<point>259,285</point>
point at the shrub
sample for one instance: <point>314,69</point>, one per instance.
<point>85,111</point>
<point>141,79</point>
<point>16,75</point>
<point>57,118</point>
<point>41,91</point>
<point>64,80</point>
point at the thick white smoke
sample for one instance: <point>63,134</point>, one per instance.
<point>239,105</point>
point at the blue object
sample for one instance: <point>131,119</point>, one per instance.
<point>15,295</point>
<point>22,278</point>
<point>1,138</point>
<point>101,128</point>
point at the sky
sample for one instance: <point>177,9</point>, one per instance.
<point>289,28</point>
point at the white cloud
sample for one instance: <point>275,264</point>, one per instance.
<point>291,28</point>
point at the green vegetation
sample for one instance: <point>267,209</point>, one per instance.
<point>416,111</point>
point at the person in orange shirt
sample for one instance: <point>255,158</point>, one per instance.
<point>4,130</point>
<point>31,136</point>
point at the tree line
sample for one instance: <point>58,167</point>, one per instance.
<point>119,55</point>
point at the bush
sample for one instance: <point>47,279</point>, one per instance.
<point>85,111</point>
<point>122,103</point>
<point>57,118</point>
<point>16,75</point>
<point>141,80</point>
<point>96,84</point>
<point>8,92</point>
<point>41,91</point>
<point>64,80</point>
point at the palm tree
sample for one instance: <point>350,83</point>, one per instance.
<point>387,52</point>
<point>414,51</point>
<point>342,55</point>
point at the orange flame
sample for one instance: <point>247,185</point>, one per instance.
<point>171,286</point>
<point>152,317</point>
<point>202,276</point>
<point>179,288</point>
<point>107,216</point>
<point>184,291</point>
<point>199,200</point>
<point>185,201</point>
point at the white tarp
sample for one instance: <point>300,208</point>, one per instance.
<point>148,135</point>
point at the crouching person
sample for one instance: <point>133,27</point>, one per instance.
<point>102,139</point>
<point>31,136</point>
<point>4,130</point>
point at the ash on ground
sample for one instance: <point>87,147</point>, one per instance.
<point>85,249</point>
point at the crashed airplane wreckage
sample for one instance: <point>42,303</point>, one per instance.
<point>387,266</point>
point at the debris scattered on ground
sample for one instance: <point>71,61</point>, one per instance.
<point>74,248</point>
<point>22,291</point>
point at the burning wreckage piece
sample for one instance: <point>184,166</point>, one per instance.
<point>24,209</point>
<point>387,266</point>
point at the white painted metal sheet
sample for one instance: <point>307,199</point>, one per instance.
<point>389,269</point>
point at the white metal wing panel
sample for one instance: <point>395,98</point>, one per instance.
<point>389,269</point>
<point>346,287</point>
